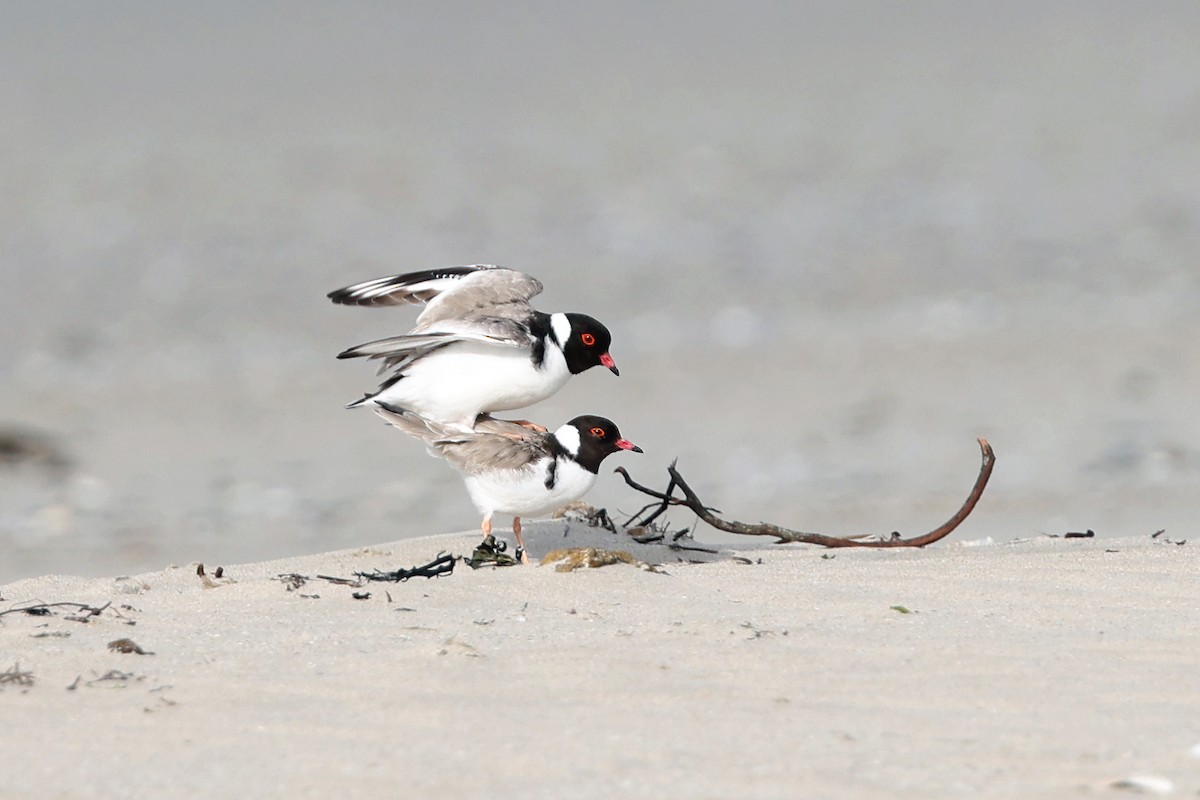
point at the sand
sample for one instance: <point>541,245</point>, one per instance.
<point>1030,668</point>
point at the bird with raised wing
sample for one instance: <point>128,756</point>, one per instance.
<point>477,347</point>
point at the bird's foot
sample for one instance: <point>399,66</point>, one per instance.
<point>533,426</point>
<point>524,423</point>
<point>521,423</point>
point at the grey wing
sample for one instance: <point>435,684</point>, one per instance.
<point>514,448</point>
<point>496,443</point>
<point>449,293</point>
<point>492,294</point>
<point>399,351</point>
<point>410,287</point>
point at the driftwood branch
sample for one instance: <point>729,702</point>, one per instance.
<point>786,535</point>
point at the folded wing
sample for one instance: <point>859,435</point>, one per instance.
<point>496,444</point>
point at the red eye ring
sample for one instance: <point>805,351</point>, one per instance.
<point>598,433</point>
<point>588,339</point>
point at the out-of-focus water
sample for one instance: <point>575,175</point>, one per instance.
<point>834,244</point>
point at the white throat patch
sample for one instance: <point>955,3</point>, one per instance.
<point>561,327</point>
<point>568,437</point>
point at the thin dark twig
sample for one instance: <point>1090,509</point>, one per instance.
<point>631,522</point>
<point>659,507</point>
<point>645,489</point>
<point>658,511</point>
<point>692,548</point>
<point>16,676</point>
<point>787,535</point>
<point>340,581</point>
<point>675,501</point>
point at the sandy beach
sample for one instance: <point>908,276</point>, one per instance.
<point>1038,668</point>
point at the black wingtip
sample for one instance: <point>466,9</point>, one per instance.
<point>397,410</point>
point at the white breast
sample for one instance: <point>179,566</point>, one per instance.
<point>523,493</point>
<point>457,383</point>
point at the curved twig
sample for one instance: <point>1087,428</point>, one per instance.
<point>787,535</point>
<point>667,498</point>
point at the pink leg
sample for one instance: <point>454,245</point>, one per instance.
<point>520,541</point>
<point>524,423</point>
<point>533,426</point>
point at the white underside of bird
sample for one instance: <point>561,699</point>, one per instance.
<point>478,346</point>
<point>465,379</point>
<point>523,492</point>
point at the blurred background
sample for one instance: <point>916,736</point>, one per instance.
<point>835,243</point>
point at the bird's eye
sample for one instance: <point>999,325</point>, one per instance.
<point>597,432</point>
<point>588,339</point>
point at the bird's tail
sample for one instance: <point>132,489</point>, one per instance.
<point>410,422</point>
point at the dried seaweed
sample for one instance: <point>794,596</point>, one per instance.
<point>44,610</point>
<point>490,553</point>
<point>442,565</point>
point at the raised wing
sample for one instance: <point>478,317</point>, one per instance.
<point>449,293</point>
<point>411,287</point>
<point>488,294</point>
<point>481,303</point>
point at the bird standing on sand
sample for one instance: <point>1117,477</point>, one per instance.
<point>477,347</point>
<point>510,469</point>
